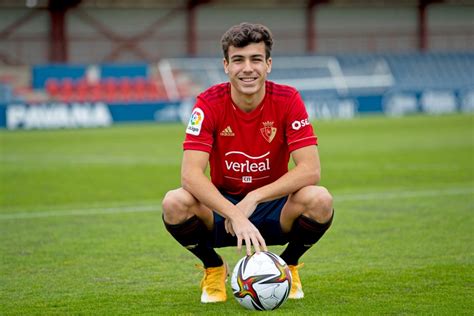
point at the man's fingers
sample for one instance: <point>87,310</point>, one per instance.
<point>262,243</point>
<point>256,245</point>
<point>227,226</point>
<point>231,230</point>
<point>248,245</point>
<point>250,236</point>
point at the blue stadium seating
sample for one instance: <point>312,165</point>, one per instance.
<point>433,70</point>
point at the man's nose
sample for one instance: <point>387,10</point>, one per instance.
<point>248,66</point>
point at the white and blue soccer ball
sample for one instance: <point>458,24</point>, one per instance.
<point>261,281</point>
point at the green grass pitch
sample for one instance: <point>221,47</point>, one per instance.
<point>81,230</point>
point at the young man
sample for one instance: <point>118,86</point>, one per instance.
<point>246,130</point>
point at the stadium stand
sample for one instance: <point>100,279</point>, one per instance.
<point>15,86</point>
<point>7,95</point>
<point>433,70</point>
<point>314,76</point>
<point>109,90</point>
<point>109,83</point>
<point>348,74</point>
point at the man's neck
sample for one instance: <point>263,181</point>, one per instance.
<point>247,103</point>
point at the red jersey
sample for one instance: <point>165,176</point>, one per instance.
<point>248,150</point>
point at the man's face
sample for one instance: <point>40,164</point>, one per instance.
<point>247,68</point>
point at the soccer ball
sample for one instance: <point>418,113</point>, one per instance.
<point>261,281</point>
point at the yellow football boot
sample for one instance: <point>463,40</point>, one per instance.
<point>296,291</point>
<point>213,284</point>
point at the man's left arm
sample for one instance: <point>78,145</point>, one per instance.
<point>306,172</point>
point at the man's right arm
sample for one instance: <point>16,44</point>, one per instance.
<point>194,180</point>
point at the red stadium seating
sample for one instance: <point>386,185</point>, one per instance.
<point>108,90</point>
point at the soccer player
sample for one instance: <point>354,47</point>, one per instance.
<point>247,129</point>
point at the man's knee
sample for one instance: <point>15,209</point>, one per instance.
<point>175,206</point>
<point>319,204</point>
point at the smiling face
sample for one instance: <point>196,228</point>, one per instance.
<point>247,68</point>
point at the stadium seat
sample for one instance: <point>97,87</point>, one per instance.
<point>52,86</point>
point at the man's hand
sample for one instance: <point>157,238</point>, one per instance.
<point>247,205</point>
<point>246,232</point>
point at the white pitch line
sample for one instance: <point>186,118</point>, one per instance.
<point>403,194</point>
<point>83,212</point>
<point>156,206</point>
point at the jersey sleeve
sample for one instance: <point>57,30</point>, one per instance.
<point>299,131</point>
<point>199,132</point>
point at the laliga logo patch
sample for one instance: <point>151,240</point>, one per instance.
<point>268,131</point>
<point>195,122</point>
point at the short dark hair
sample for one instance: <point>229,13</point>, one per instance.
<point>244,34</point>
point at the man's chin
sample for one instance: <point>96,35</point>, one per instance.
<point>249,90</point>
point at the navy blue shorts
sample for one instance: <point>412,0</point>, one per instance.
<point>266,218</point>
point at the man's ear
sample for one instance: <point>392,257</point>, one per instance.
<point>226,64</point>
<point>269,65</point>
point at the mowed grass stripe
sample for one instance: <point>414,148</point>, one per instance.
<point>156,206</point>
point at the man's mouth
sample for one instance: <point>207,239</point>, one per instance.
<point>248,79</point>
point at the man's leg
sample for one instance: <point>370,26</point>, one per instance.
<point>305,218</point>
<point>190,223</point>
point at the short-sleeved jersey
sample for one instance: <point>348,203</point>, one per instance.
<point>248,150</point>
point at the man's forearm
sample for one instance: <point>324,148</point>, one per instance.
<point>298,177</point>
<point>206,192</point>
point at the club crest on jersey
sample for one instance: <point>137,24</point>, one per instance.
<point>195,122</point>
<point>268,131</point>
